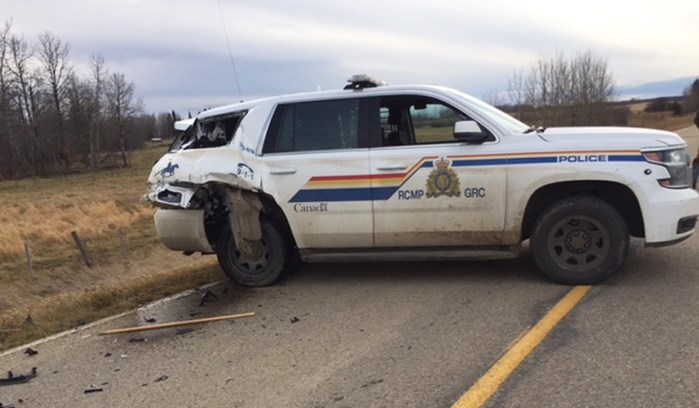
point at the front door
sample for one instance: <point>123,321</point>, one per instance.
<point>429,189</point>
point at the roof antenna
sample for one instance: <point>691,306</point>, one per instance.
<point>230,51</point>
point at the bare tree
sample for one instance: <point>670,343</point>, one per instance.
<point>516,89</point>
<point>691,97</point>
<point>99,73</point>
<point>53,56</point>
<point>26,99</point>
<point>122,107</point>
<point>564,91</point>
<point>6,133</point>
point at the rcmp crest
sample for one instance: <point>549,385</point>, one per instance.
<point>443,180</point>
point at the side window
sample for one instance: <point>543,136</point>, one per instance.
<point>434,122</point>
<point>323,125</point>
<point>408,120</point>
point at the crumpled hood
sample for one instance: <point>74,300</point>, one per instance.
<point>631,137</point>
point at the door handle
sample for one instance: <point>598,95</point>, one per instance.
<point>282,170</point>
<point>392,167</point>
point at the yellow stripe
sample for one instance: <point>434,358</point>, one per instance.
<point>489,384</point>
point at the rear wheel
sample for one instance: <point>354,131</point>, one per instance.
<point>265,262</point>
<point>580,240</point>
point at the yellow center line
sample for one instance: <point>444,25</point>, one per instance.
<point>489,384</point>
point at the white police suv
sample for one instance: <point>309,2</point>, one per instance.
<point>400,173</point>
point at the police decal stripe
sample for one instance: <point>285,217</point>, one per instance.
<point>381,187</point>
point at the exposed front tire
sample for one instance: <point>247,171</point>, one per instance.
<point>267,261</point>
<point>579,241</point>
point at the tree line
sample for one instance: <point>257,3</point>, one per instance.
<point>565,91</point>
<point>53,121</point>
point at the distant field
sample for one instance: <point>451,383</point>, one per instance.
<point>660,120</point>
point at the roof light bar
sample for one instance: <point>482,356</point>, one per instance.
<point>361,81</point>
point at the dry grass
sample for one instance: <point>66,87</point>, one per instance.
<point>70,309</point>
<point>44,211</point>
<point>660,120</point>
<point>46,222</point>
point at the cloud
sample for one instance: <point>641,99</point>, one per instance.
<point>176,52</point>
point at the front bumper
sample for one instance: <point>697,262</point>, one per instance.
<point>670,216</point>
<point>182,230</point>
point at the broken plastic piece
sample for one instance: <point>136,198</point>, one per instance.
<point>20,379</point>
<point>161,378</point>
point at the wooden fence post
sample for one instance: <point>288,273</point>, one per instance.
<point>83,250</point>
<point>124,249</point>
<point>30,258</point>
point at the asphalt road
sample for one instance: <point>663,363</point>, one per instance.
<point>389,335</point>
<point>691,136</point>
<point>385,335</point>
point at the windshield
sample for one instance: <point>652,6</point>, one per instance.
<point>212,131</point>
<point>493,114</point>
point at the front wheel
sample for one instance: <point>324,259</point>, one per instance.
<point>265,263</point>
<point>580,241</point>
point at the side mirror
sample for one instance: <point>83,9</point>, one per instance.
<point>469,131</point>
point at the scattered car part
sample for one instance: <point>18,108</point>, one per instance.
<point>19,379</point>
<point>206,297</point>
<point>176,324</point>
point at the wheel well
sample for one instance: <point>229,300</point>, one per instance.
<point>273,211</point>
<point>210,198</point>
<point>617,195</point>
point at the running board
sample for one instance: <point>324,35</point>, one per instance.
<point>408,254</point>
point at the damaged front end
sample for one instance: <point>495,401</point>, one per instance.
<point>203,187</point>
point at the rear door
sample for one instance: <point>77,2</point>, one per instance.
<point>429,189</point>
<point>317,165</point>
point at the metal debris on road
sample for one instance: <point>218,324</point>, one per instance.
<point>137,339</point>
<point>19,379</point>
<point>161,378</point>
<point>176,324</point>
<point>92,390</point>
<point>184,331</point>
<point>294,319</point>
<point>30,352</point>
<point>206,297</point>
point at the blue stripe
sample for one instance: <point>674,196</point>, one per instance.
<point>384,193</point>
<point>332,194</point>
<point>478,162</point>
<point>532,160</point>
<point>344,194</point>
<point>625,158</point>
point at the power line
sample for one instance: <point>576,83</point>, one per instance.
<point>230,51</point>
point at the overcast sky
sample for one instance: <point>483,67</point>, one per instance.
<point>175,51</point>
